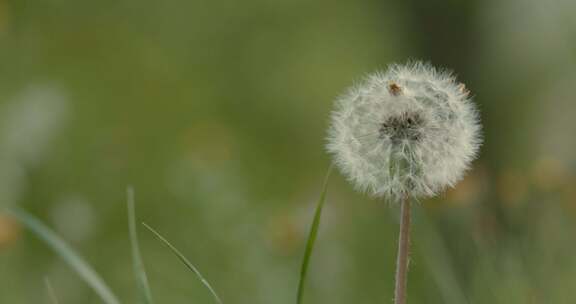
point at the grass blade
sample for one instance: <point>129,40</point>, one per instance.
<point>68,255</point>
<point>139,270</point>
<point>185,261</point>
<point>312,238</point>
<point>51,293</point>
<point>439,261</point>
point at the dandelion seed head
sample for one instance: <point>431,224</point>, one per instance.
<point>411,131</point>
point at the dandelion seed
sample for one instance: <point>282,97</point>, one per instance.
<point>409,132</point>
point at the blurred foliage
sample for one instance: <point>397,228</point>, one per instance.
<point>215,111</point>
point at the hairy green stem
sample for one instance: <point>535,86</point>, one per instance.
<point>403,253</point>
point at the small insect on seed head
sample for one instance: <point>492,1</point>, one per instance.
<point>462,88</point>
<point>394,89</point>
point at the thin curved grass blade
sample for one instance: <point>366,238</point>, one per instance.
<point>312,235</point>
<point>185,261</point>
<point>437,257</point>
<point>142,279</point>
<point>51,292</point>
<point>77,263</point>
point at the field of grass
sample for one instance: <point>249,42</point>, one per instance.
<point>215,113</point>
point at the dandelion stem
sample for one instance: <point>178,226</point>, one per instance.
<point>403,253</point>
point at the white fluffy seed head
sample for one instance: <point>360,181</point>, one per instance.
<point>411,131</point>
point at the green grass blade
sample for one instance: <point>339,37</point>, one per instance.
<point>51,293</point>
<point>439,260</point>
<point>142,279</point>
<point>185,261</point>
<point>312,238</point>
<point>68,255</point>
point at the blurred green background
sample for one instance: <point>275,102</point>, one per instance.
<point>216,111</point>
